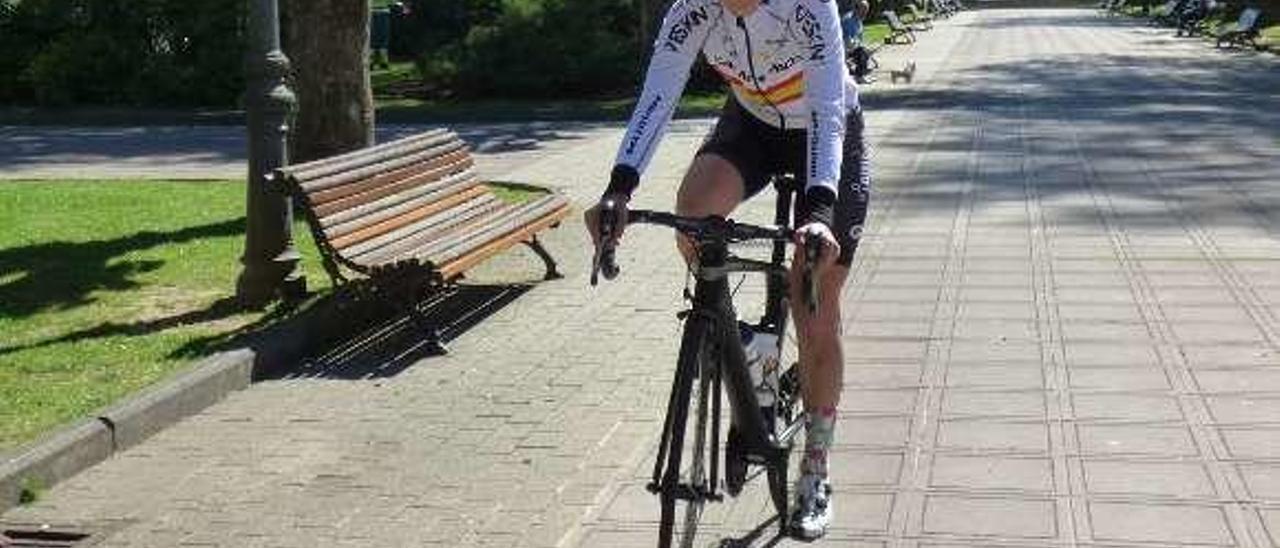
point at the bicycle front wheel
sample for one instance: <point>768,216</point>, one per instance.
<point>693,394</point>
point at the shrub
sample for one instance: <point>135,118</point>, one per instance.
<point>540,48</point>
<point>154,52</point>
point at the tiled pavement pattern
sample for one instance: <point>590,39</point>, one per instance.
<point>1063,330</point>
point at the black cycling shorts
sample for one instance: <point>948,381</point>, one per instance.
<point>760,151</point>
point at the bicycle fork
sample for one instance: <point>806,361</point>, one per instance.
<point>691,368</point>
<point>723,368</point>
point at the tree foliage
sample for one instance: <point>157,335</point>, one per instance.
<point>153,52</point>
<point>531,48</point>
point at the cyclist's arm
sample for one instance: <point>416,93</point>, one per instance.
<point>824,76</point>
<point>684,30</point>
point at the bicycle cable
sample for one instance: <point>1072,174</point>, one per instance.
<point>741,279</point>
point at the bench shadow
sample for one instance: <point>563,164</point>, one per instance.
<point>388,344</point>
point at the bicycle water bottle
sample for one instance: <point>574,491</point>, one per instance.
<point>761,349</point>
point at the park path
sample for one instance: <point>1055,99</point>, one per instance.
<point>220,152</point>
<point>1063,330</point>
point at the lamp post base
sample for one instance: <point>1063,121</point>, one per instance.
<point>259,286</point>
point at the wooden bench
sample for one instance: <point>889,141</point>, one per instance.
<point>1243,32</point>
<point>897,29</point>
<point>919,18</point>
<point>410,217</point>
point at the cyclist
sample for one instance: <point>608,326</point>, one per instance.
<point>793,108</point>
<point>853,12</point>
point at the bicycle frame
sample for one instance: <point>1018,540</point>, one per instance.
<point>712,317</point>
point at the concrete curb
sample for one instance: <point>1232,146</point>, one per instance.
<point>59,456</point>
<point>72,449</point>
<point>141,416</point>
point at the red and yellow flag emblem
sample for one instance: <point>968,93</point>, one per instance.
<point>781,93</point>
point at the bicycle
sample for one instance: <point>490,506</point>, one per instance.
<point>711,353</point>
<point>861,60</point>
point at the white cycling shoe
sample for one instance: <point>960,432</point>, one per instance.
<point>813,507</point>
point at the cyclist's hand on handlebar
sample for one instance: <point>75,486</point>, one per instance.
<point>605,223</point>
<point>611,207</point>
<point>825,241</point>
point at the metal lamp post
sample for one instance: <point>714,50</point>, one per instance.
<point>270,260</point>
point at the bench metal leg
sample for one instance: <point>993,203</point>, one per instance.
<point>404,291</point>
<point>536,246</point>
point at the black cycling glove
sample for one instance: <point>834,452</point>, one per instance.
<point>623,180</point>
<point>818,206</point>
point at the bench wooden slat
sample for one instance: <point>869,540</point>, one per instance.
<point>406,218</point>
<point>460,243</point>
<point>379,210</point>
<point>332,187</point>
<point>427,232</point>
<point>361,170</point>
<point>425,169</point>
<point>455,268</point>
<point>343,162</point>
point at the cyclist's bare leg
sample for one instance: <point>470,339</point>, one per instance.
<point>821,356</point>
<point>711,186</point>
<point>821,351</point>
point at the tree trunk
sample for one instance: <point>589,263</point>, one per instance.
<point>327,43</point>
<point>651,14</point>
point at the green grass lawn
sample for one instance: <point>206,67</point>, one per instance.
<point>396,102</point>
<point>109,286</point>
<point>397,73</point>
<point>1270,38</point>
<point>874,33</point>
<point>404,110</point>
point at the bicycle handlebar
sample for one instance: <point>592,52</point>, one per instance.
<point>711,228</point>
<point>706,229</point>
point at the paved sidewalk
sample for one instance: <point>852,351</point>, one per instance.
<point>220,152</point>
<point>1063,330</point>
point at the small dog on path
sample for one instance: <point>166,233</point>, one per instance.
<point>906,73</point>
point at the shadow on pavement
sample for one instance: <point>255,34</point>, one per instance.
<point>152,147</point>
<point>1146,127</point>
<point>503,138</point>
<point>386,346</point>
<point>755,535</point>
<point>28,147</point>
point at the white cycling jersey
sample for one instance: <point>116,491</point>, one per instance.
<point>784,63</point>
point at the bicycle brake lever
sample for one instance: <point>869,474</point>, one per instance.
<point>604,261</point>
